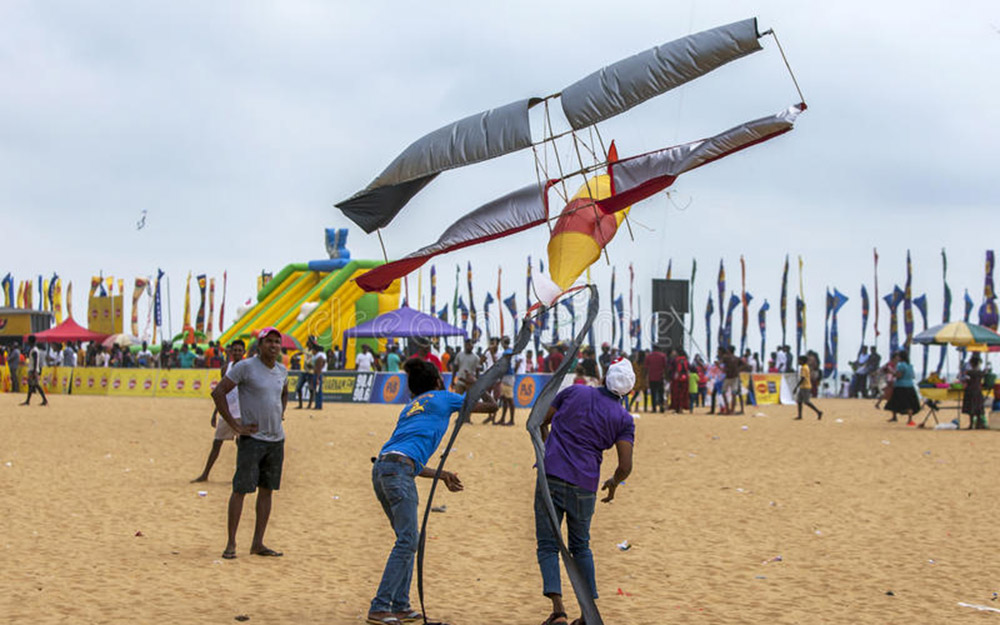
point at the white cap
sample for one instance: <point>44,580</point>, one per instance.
<point>620,378</point>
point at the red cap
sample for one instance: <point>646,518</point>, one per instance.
<point>268,330</point>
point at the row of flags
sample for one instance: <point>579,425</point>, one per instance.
<point>50,299</point>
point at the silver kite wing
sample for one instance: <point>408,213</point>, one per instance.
<point>614,89</point>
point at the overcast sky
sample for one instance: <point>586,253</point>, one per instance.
<point>238,125</point>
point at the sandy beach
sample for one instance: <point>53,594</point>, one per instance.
<point>101,524</point>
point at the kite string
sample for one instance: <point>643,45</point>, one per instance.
<point>770,31</point>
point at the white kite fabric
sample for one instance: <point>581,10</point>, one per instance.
<point>607,92</point>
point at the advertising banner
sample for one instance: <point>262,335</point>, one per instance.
<point>767,388</point>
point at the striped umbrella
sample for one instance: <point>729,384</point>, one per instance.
<point>958,333</point>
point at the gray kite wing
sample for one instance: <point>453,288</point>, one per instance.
<point>471,140</point>
<point>618,87</point>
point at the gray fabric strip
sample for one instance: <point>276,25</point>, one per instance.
<point>618,87</point>
<point>591,615</point>
<point>632,172</point>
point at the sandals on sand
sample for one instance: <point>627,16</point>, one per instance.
<point>269,553</point>
<point>388,619</point>
<point>228,555</point>
<point>552,620</point>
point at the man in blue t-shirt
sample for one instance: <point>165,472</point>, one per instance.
<point>585,422</point>
<point>421,426</point>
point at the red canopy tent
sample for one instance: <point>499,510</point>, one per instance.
<point>68,330</point>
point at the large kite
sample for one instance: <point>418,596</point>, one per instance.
<point>606,93</point>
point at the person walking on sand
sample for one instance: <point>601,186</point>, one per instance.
<point>803,390</point>
<point>223,432</point>
<point>260,449</point>
<point>904,390</point>
<point>585,422</point>
<point>421,426</point>
<point>35,360</point>
<point>972,397</point>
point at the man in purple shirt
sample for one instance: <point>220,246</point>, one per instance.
<point>585,422</point>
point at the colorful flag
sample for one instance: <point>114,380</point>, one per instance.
<point>500,298</point>
<point>199,320</point>
<point>464,312</point>
<point>568,304</point>
<point>783,304</point>
<point>8,291</point>
<point>908,303</point>
<point>511,304</point>
<point>968,305</point>
<point>434,286</point>
<point>721,285</point>
<point>57,300</point>
<point>802,296</point>
<point>443,313</point>
<point>527,287</point>
<point>222,304</point>
<point>694,271</point>
<point>727,338</point>
<point>875,254</point>
<point>137,290</point>
<point>762,324</point>
<point>486,314</point>
<point>865,309</point>
<point>211,307</point>
<point>69,300</point>
<point>921,305</point>
<point>620,310</point>
<point>187,304</point>
<point>745,301</point>
<point>839,299</point>
<point>19,300</point>
<point>670,268</point>
<point>454,298</point>
<point>473,317</point>
<point>709,309</point>
<point>988,317</point>
<point>893,300</point>
<point>46,296</point>
<point>614,328</point>
<point>946,312</point>
<point>827,357</point>
<point>799,313</point>
<point>96,282</point>
<point>631,299</point>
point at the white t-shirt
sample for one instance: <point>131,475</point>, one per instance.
<point>365,361</point>
<point>781,361</point>
<point>233,396</point>
<point>319,356</point>
<point>520,365</point>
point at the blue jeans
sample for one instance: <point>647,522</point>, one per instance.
<point>577,505</point>
<point>397,492</point>
<point>318,389</point>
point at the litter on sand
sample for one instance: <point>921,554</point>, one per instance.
<point>203,493</point>
<point>442,508</point>
<point>624,545</point>
<point>981,608</point>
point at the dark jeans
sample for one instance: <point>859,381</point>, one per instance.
<point>305,382</point>
<point>318,389</point>
<point>656,392</point>
<point>577,506</point>
<point>397,492</point>
<point>15,379</point>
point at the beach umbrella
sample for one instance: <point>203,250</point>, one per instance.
<point>958,333</point>
<point>121,340</point>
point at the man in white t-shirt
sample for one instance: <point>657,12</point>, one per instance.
<point>223,432</point>
<point>35,363</point>
<point>145,357</point>
<point>365,361</point>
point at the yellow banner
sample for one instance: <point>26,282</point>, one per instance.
<point>91,380</point>
<point>132,382</point>
<point>186,383</point>
<point>767,388</point>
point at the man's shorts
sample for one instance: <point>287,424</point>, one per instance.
<point>222,430</point>
<point>731,385</point>
<point>804,395</point>
<point>507,389</point>
<point>258,463</point>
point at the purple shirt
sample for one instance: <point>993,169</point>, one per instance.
<point>587,421</point>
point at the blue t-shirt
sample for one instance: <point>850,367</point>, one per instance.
<point>392,362</point>
<point>904,375</point>
<point>422,425</point>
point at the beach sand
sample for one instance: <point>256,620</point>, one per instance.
<point>855,508</point>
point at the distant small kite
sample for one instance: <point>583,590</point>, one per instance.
<point>139,225</point>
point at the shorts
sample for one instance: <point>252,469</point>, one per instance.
<point>258,463</point>
<point>507,390</point>
<point>731,385</point>
<point>222,430</point>
<point>804,395</point>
